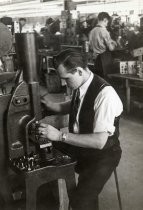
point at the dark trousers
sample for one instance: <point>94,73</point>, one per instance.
<point>92,179</point>
<point>103,64</point>
<point>94,171</point>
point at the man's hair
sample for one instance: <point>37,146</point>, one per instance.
<point>22,19</point>
<point>103,15</point>
<point>49,21</point>
<point>70,59</point>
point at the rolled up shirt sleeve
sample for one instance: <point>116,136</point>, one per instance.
<point>107,106</point>
<point>107,38</point>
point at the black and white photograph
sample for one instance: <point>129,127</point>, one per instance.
<point>71,105</point>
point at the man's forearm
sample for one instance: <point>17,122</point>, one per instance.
<point>94,140</point>
<point>112,45</point>
<point>60,108</point>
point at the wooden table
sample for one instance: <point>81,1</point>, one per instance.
<point>130,81</point>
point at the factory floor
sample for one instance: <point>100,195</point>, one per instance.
<point>130,170</point>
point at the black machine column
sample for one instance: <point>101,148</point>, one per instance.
<point>24,110</point>
<point>26,48</point>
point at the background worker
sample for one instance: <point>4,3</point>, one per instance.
<point>46,31</point>
<point>93,128</point>
<point>22,23</point>
<point>101,44</point>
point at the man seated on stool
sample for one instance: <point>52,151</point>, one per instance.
<point>93,134</point>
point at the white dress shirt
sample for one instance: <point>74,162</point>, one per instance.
<point>107,106</point>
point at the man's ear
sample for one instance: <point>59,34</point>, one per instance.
<point>80,72</point>
<point>79,69</point>
<point>74,71</point>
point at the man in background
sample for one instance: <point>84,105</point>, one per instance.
<point>101,44</point>
<point>22,23</point>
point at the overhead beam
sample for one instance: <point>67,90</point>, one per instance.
<point>9,2</point>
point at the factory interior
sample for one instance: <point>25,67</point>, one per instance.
<point>34,173</point>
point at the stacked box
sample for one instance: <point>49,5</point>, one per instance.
<point>125,67</point>
<point>132,67</point>
<point>68,27</point>
<point>63,22</point>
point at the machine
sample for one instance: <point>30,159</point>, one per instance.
<point>24,111</point>
<point>22,150</point>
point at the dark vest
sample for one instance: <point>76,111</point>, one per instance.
<point>86,115</point>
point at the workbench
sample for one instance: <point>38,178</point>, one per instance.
<point>130,81</point>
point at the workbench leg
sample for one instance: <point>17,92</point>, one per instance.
<point>70,185</point>
<point>31,195</point>
<point>61,194</point>
<point>128,96</point>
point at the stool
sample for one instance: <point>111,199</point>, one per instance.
<point>118,190</point>
<point>34,179</point>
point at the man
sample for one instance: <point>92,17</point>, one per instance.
<point>93,128</point>
<point>101,44</point>
<point>22,23</point>
<point>47,34</point>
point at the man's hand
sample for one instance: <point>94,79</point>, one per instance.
<point>48,131</point>
<point>112,45</point>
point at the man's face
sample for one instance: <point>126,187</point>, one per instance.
<point>105,22</point>
<point>73,79</point>
<point>84,24</point>
<point>22,22</point>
